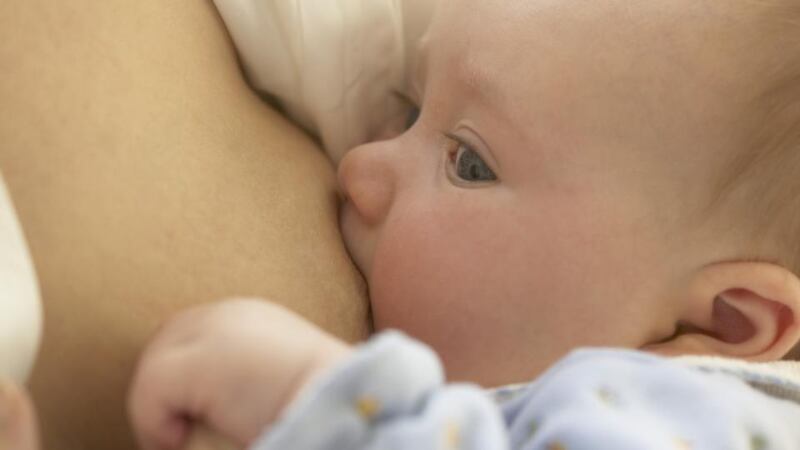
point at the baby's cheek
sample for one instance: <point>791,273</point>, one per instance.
<point>402,278</point>
<point>432,281</point>
<point>412,275</point>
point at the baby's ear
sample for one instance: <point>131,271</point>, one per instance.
<point>748,310</point>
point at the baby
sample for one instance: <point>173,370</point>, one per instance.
<point>582,173</point>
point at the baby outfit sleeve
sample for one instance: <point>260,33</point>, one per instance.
<point>628,400</point>
<point>391,395</point>
<point>333,65</point>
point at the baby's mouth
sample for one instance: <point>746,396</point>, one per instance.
<point>345,218</point>
<point>349,238</point>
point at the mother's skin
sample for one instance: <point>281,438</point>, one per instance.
<point>148,177</point>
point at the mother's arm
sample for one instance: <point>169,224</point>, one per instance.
<point>147,177</point>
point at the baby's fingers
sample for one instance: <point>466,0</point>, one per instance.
<point>18,428</point>
<point>159,402</point>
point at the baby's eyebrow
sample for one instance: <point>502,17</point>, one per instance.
<point>478,83</point>
<point>478,79</point>
<point>475,77</point>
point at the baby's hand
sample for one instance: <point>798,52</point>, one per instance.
<point>231,366</point>
<point>18,430</point>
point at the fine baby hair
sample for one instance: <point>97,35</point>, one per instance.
<point>760,183</point>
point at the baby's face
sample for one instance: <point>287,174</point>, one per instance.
<point>536,204</point>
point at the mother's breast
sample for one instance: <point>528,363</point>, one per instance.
<point>147,178</point>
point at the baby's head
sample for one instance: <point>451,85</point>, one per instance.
<point>589,172</point>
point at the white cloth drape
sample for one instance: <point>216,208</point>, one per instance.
<point>332,64</point>
<point>20,306</point>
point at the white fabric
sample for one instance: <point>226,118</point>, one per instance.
<point>779,379</point>
<point>390,394</point>
<point>20,306</point>
<point>332,64</point>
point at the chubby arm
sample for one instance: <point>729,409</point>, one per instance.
<point>262,377</point>
<point>231,367</point>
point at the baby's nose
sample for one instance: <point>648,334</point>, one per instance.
<point>368,180</point>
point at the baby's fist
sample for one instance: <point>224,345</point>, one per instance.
<point>231,366</point>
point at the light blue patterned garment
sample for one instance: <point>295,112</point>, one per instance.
<point>391,395</point>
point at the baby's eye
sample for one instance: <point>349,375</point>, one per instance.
<point>469,165</point>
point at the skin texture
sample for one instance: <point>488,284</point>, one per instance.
<point>601,121</point>
<point>148,178</point>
